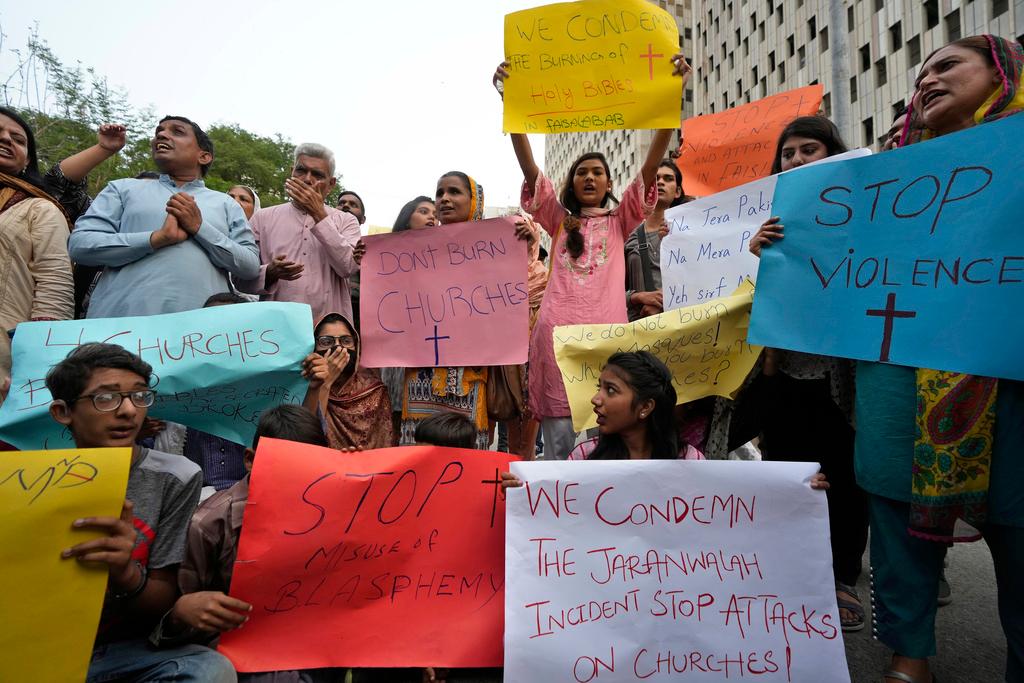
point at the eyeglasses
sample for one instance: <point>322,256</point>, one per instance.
<point>327,341</point>
<point>109,401</point>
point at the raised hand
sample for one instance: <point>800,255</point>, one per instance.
<point>769,231</point>
<point>498,80</point>
<point>111,137</point>
<point>359,252</point>
<point>306,198</point>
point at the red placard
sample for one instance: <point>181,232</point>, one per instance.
<point>386,558</point>
<point>736,146</point>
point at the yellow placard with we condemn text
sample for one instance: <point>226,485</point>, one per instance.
<point>589,66</point>
<point>51,605</point>
<point>704,346</point>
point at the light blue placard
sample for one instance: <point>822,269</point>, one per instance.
<point>216,369</point>
<point>914,257</point>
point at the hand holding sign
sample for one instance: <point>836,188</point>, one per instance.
<point>884,261</point>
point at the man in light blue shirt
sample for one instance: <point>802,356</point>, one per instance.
<point>166,245</point>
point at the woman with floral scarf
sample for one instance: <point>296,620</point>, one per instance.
<point>940,453</point>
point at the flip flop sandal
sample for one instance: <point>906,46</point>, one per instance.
<point>906,678</point>
<point>856,607</point>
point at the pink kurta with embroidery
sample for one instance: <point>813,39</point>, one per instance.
<point>584,291</point>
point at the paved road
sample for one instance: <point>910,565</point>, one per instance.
<point>970,641</point>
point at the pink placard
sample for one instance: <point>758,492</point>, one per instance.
<point>447,296</point>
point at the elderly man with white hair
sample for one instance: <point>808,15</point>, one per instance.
<point>306,246</point>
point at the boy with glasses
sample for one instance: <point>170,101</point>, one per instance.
<point>101,393</point>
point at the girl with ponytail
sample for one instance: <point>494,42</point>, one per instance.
<point>588,229</point>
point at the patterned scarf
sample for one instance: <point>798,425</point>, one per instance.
<point>956,412</point>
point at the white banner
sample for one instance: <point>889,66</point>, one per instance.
<point>705,254</point>
<point>647,570</point>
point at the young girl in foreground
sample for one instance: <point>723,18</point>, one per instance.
<point>634,404</point>
<point>587,262</point>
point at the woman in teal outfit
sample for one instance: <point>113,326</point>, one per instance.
<point>912,427</point>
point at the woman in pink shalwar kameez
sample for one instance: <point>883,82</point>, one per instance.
<point>588,266</point>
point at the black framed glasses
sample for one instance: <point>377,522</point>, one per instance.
<point>327,341</point>
<point>109,401</point>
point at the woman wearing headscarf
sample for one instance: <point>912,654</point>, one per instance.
<point>35,270</point>
<point>246,198</point>
<point>938,449</point>
<point>352,401</point>
<point>463,390</point>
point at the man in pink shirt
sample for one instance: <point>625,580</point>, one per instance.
<point>306,246</point>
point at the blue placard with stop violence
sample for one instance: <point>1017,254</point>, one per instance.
<point>913,257</point>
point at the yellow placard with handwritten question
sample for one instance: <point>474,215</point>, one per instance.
<point>704,346</point>
<point>51,606</point>
<point>588,66</point>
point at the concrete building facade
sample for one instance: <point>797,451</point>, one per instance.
<point>747,49</point>
<point>625,149</point>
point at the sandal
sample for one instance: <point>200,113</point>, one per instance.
<point>857,623</point>
<point>906,678</point>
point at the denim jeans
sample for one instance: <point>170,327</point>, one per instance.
<point>140,662</point>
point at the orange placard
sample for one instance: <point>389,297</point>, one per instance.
<point>386,558</point>
<point>736,146</point>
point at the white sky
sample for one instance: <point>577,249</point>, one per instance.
<point>400,90</point>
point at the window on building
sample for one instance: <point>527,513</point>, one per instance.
<point>812,29</point>
<point>789,46</point>
<point>771,61</point>
<point>865,58</point>
<point>931,13</point>
<point>881,77</point>
<point>746,47</point>
<point>999,7</point>
<point>688,32</point>
<point>738,37</point>
<point>801,56</point>
<point>853,89</point>
<point>823,43</point>
<point>764,86</point>
<point>897,108</point>
<point>716,24</point>
<point>896,36</point>
<point>712,107</point>
<point>689,95</point>
<point>782,72</point>
<point>753,72</point>
<point>753,22</point>
<point>781,18</point>
<point>799,3</point>
<point>849,18</point>
<point>711,62</point>
<point>760,31</point>
<point>826,104</point>
<point>913,52</point>
<point>739,88</point>
<point>952,21</point>
<point>732,64</point>
<point>869,131</point>
<point>729,11</point>
<point>878,5</point>
<point>771,7</point>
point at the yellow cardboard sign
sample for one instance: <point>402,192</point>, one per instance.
<point>704,346</point>
<point>589,66</point>
<point>51,606</point>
